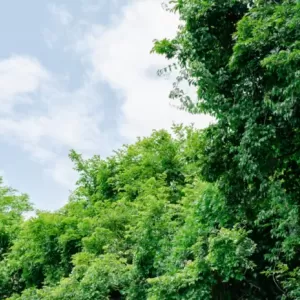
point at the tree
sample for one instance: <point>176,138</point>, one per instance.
<point>141,225</point>
<point>243,56</point>
<point>192,214</point>
<point>12,208</point>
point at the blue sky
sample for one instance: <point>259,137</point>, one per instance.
<point>78,74</point>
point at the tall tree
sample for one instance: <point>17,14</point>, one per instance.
<point>244,58</point>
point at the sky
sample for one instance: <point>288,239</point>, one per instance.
<point>78,74</point>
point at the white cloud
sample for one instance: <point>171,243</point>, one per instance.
<point>120,55</point>
<point>59,119</point>
<point>61,13</point>
<point>54,120</point>
<point>19,75</point>
<point>62,172</point>
<point>93,6</point>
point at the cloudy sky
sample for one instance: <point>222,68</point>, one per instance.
<point>78,74</point>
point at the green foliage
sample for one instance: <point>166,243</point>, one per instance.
<point>12,208</point>
<point>141,225</point>
<point>243,56</point>
<point>210,214</point>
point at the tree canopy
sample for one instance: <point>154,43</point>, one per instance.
<point>243,56</point>
<point>141,225</point>
<point>191,214</point>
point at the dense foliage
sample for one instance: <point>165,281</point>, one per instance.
<point>243,56</point>
<point>195,214</point>
<point>141,225</point>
